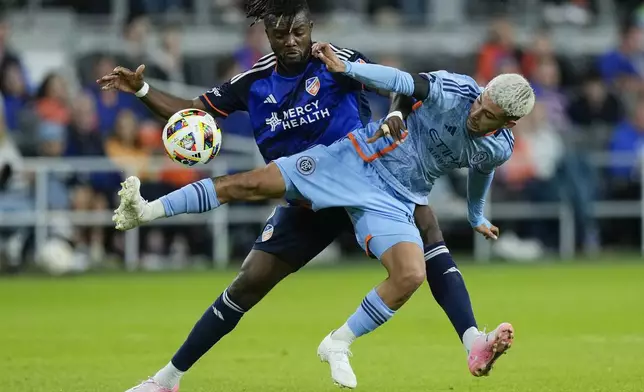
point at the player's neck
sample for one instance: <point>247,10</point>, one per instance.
<point>292,69</point>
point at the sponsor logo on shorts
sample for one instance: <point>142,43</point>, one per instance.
<point>479,157</point>
<point>305,165</point>
<point>267,233</point>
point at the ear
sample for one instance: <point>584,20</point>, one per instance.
<point>311,25</point>
<point>510,124</point>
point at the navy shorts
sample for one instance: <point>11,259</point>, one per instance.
<point>297,234</point>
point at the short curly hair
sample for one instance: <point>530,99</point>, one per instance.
<point>513,94</point>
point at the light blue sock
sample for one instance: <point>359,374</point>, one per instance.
<point>193,198</point>
<point>371,314</point>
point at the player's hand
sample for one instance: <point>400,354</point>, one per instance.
<point>393,126</point>
<point>123,79</point>
<point>490,233</point>
<point>324,52</point>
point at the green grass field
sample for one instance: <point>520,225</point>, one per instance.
<point>578,328</point>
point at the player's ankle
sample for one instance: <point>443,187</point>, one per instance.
<point>169,376</point>
<point>152,211</point>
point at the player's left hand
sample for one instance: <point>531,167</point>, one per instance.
<point>393,126</point>
<point>324,52</point>
<point>490,233</point>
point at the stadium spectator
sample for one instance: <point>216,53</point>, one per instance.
<point>170,59</point>
<point>123,147</point>
<point>16,94</point>
<point>622,66</point>
<point>500,47</point>
<point>110,103</point>
<point>255,46</point>
<point>52,100</point>
<point>7,56</point>
<point>546,83</point>
<point>625,149</point>
<point>541,49</point>
<point>52,145</point>
<point>595,110</point>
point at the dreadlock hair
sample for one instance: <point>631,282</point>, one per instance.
<point>281,9</point>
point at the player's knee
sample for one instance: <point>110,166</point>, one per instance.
<point>410,278</point>
<point>260,272</point>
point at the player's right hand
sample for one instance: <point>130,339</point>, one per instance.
<point>393,126</point>
<point>324,52</point>
<point>123,79</point>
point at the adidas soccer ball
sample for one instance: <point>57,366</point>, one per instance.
<point>192,137</point>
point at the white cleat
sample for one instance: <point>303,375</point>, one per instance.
<point>133,208</point>
<point>151,386</point>
<point>336,353</point>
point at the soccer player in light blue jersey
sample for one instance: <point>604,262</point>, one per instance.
<point>379,182</point>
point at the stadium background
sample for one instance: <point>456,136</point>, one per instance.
<point>567,270</point>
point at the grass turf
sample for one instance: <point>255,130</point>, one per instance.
<point>578,328</point>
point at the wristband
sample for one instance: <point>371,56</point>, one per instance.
<point>397,113</point>
<point>143,91</point>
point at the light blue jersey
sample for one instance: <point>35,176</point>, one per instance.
<point>380,183</point>
<point>437,141</point>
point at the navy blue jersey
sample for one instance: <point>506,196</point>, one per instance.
<point>291,114</point>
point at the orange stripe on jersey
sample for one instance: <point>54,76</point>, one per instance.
<point>417,105</point>
<point>214,107</point>
<point>377,154</point>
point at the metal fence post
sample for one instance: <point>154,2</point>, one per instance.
<point>42,208</point>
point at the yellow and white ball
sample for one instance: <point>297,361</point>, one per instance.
<point>192,137</point>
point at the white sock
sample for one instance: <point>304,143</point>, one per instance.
<point>155,211</point>
<point>469,337</point>
<point>169,376</point>
<point>344,334</point>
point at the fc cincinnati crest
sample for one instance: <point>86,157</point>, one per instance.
<point>479,157</point>
<point>267,233</point>
<point>313,86</point>
<point>305,165</point>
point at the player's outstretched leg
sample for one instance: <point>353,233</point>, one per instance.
<point>259,273</point>
<point>405,265</point>
<point>198,197</point>
<point>449,290</point>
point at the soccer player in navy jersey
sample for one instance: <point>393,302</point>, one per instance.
<point>294,103</point>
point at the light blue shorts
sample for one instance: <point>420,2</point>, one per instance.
<point>336,176</point>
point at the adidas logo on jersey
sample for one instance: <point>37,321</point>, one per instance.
<point>270,99</point>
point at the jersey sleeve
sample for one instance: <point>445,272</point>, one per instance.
<point>222,100</point>
<point>352,56</point>
<point>504,149</point>
<point>447,89</point>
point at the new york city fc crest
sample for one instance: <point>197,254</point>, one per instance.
<point>305,165</point>
<point>313,86</point>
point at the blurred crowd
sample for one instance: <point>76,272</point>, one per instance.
<point>586,107</point>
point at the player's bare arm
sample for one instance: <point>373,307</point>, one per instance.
<point>162,104</point>
<point>386,78</point>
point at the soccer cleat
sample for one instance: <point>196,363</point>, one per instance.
<point>336,353</point>
<point>487,348</point>
<point>152,386</point>
<point>131,211</point>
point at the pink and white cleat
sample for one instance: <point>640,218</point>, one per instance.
<point>152,386</point>
<point>487,348</point>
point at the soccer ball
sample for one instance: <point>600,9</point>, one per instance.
<point>192,137</point>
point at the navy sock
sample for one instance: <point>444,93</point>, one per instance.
<point>448,287</point>
<point>216,322</point>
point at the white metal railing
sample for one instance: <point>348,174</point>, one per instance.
<point>41,217</point>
